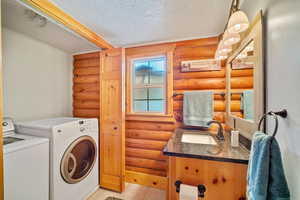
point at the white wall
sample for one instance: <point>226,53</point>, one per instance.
<point>282,26</point>
<point>37,78</point>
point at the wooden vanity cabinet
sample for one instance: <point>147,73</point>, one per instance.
<point>222,180</point>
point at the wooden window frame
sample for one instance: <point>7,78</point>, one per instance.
<point>167,116</point>
<point>163,85</point>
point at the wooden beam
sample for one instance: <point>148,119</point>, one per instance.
<point>65,19</point>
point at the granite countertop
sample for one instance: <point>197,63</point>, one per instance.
<point>220,152</point>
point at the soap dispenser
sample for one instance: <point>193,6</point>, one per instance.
<point>234,135</point>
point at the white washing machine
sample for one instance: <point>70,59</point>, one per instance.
<point>26,165</point>
<point>73,154</point>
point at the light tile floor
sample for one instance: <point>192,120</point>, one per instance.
<point>132,192</point>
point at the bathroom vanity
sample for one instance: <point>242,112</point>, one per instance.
<point>217,167</point>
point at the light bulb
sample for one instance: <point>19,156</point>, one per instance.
<point>238,22</point>
<point>231,38</point>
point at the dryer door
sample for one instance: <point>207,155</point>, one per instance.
<point>78,160</point>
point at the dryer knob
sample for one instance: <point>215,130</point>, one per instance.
<point>82,129</point>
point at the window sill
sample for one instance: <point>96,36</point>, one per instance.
<point>151,117</point>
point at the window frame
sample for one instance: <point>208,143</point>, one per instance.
<point>163,85</point>
<point>166,51</point>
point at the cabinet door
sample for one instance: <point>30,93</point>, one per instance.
<point>112,120</point>
<point>222,180</point>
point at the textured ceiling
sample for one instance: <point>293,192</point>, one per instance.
<point>136,22</point>
<point>14,17</point>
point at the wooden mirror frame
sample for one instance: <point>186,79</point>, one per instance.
<point>255,33</point>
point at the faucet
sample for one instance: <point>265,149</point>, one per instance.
<point>220,135</point>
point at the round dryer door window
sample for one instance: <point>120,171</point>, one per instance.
<point>78,159</point>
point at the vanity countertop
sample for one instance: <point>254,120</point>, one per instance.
<point>221,152</point>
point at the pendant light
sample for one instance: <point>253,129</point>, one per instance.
<point>238,22</point>
<point>224,49</point>
<point>230,38</point>
<point>220,56</point>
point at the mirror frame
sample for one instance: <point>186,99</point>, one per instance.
<point>255,33</point>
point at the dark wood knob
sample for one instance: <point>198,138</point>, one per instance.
<point>115,128</point>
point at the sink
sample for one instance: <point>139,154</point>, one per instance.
<point>198,138</point>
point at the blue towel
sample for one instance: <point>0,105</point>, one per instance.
<point>248,106</point>
<point>266,180</point>
<point>197,108</point>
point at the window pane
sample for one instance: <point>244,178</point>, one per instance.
<point>156,105</point>
<point>140,106</point>
<point>157,72</point>
<point>156,93</point>
<point>142,71</point>
<point>140,93</point>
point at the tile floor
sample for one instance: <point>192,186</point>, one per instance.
<point>132,192</point>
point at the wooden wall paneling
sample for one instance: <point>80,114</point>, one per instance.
<point>146,163</point>
<point>147,179</point>
<point>68,21</point>
<point>145,153</point>
<point>240,79</point>
<point>146,134</point>
<point>86,85</point>
<point>145,144</point>
<point>145,139</point>
<point>112,120</point>
<point>156,126</point>
<point>146,171</point>
<point>199,84</point>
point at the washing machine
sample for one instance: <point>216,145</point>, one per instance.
<point>26,165</point>
<point>73,154</point>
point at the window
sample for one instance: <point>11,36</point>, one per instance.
<point>149,85</point>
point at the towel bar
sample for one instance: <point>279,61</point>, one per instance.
<point>282,113</point>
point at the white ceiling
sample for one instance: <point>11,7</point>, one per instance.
<point>135,22</point>
<point>13,17</point>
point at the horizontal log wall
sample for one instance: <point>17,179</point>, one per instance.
<point>145,140</point>
<point>86,85</point>
<point>191,81</point>
<point>241,79</point>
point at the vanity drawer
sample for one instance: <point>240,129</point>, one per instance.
<point>222,180</point>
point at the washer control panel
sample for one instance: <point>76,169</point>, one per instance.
<point>88,125</point>
<point>8,124</point>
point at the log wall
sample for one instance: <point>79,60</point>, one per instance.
<point>241,79</point>
<point>146,139</point>
<point>86,85</point>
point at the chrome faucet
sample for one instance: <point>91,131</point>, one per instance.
<point>220,135</point>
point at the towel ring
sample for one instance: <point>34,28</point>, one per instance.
<point>282,113</point>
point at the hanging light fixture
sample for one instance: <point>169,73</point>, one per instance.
<point>238,22</point>
<point>231,38</point>
<point>220,56</point>
<point>224,49</point>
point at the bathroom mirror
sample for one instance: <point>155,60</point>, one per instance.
<point>241,89</point>
<point>245,81</point>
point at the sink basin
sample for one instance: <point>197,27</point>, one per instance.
<point>197,138</point>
